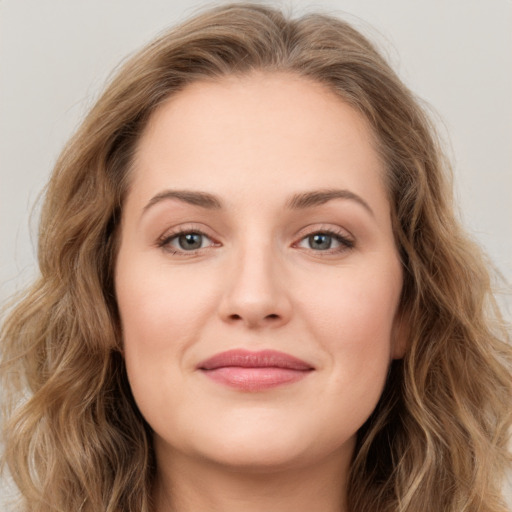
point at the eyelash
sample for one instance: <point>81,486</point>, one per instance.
<point>164,241</point>
<point>346,243</point>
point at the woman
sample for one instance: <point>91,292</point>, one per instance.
<point>254,294</point>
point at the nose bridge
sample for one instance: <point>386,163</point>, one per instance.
<point>256,294</point>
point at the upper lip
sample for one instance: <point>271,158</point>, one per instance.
<point>248,359</point>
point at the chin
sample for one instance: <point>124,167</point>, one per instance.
<point>253,460</point>
<point>263,446</point>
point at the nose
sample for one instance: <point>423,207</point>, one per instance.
<point>256,295</point>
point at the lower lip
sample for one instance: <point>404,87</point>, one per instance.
<point>255,379</point>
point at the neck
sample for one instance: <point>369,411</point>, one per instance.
<point>188,485</point>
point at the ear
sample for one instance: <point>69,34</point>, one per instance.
<point>400,335</point>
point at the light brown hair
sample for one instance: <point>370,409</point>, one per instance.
<point>74,439</point>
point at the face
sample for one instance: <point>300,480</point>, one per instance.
<point>257,276</point>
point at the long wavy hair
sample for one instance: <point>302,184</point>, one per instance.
<point>74,439</point>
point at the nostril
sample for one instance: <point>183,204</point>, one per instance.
<point>235,317</point>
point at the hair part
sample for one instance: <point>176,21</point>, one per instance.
<point>74,437</point>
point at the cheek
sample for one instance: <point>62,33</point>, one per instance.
<point>354,323</point>
<point>159,309</point>
<point>357,306</point>
<point>162,315</point>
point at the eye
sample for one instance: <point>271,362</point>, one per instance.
<point>320,241</point>
<point>185,241</point>
<point>326,241</point>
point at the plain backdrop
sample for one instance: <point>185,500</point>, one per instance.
<point>55,56</point>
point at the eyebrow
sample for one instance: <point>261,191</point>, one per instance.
<point>202,199</point>
<point>298,201</point>
<point>318,197</point>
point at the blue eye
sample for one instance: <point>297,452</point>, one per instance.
<point>320,241</point>
<point>186,241</point>
<point>190,241</point>
<point>326,241</point>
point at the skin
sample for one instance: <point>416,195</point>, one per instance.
<point>257,282</point>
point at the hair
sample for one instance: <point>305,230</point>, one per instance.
<point>74,438</point>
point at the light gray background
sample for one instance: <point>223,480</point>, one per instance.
<point>56,54</point>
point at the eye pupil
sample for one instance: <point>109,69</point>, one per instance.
<point>320,241</point>
<point>190,241</point>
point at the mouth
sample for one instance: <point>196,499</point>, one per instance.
<point>255,371</point>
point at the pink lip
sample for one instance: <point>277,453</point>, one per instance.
<point>254,371</point>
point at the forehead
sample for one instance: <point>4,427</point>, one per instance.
<point>261,131</point>
<point>268,99</point>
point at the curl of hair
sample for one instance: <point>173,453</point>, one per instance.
<point>74,439</point>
